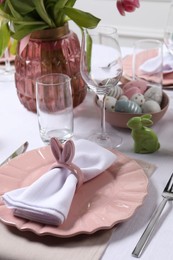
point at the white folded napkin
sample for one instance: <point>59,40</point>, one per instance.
<point>49,198</point>
<point>153,65</point>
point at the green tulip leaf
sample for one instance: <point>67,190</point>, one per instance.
<point>26,7</point>
<point>88,51</point>
<point>14,13</point>
<point>40,8</point>
<point>13,47</point>
<point>82,19</point>
<point>21,32</point>
<point>5,38</point>
<point>70,3</point>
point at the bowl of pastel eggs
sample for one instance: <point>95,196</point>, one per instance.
<point>134,98</point>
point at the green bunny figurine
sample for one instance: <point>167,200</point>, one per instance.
<point>145,139</point>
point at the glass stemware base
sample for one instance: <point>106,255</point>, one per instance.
<point>6,74</point>
<point>106,140</point>
<point>4,77</point>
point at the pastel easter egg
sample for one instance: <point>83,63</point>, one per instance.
<point>151,106</point>
<point>153,93</point>
<point>127,106</point>
<point>115,91</point>
<point>141,85</point>
<point>138,98</point>
<point>131,91</point>
<point>123,97</point>
<point>110,103</point>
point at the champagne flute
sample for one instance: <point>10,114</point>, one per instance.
<point>101,69</point>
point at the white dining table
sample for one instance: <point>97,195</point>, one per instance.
<point>19,125</point>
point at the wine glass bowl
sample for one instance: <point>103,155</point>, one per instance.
<point>101,69</point>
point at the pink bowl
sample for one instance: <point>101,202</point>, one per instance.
<point>120,119</point>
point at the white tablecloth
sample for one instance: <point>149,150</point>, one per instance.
<point>19,125</point>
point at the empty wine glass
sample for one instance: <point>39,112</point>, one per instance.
<point>168,32</point>
<point>101,69</point>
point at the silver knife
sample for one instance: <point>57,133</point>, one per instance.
<point>19,150</point>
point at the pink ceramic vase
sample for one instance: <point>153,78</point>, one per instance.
<point>49,51</point>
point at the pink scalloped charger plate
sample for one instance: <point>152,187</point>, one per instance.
<point>108,199</point>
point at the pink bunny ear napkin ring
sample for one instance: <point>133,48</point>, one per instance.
<point>64,154</point>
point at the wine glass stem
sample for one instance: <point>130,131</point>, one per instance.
<point>103,127</point>
<point>7,62</point>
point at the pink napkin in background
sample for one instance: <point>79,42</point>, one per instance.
<point>49,198</point>
<point>152,65</point>
<point>167,77</point>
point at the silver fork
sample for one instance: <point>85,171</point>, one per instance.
<point>167,194</point>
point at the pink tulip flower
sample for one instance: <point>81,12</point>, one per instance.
<point>127,6</point>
